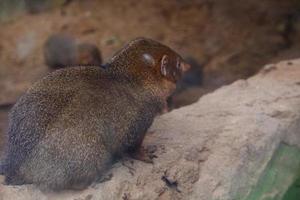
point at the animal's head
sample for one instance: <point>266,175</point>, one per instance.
<point>148,55</point>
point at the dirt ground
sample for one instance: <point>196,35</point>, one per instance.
<point>228,39</point>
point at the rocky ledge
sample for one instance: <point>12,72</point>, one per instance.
<point>216,149</point>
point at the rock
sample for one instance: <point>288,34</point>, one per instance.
<point>25,45</point>
<point>215,149</point>
<point>10,9</point>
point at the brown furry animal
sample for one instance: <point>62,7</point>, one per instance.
<point>70,126</point>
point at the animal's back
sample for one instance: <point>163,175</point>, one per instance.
<point>69,126</point>
<point>28,120</point>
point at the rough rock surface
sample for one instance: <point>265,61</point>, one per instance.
<point>214,149</point>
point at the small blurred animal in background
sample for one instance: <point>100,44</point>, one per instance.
<point>61,50</point>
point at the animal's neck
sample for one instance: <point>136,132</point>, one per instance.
<point>143,81</point>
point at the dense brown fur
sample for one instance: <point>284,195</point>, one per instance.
<point>69,127</point>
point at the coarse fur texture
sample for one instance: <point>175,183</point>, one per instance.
<point>70,126</point>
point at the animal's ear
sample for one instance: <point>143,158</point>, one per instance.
<point>164,65</point>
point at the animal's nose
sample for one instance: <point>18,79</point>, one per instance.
<point>184,66</point>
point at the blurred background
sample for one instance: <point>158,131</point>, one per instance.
<point>222,40</point>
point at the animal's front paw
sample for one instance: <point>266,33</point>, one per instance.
<point>145,154</point>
